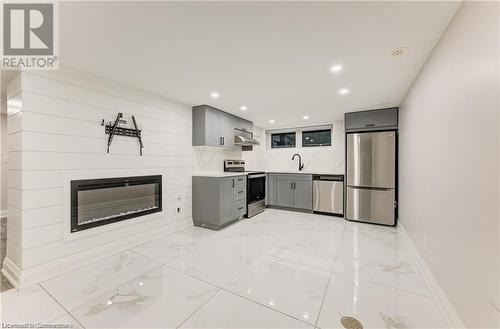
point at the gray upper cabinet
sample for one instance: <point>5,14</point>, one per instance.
<point>206,122</point>
<point>243,124</point>
<point>213,127</point>
<point>371,120</point>
<point>226,130</point>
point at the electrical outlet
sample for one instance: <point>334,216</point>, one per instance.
<point>179,197</point>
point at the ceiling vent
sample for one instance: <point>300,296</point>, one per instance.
<point>400,51</point>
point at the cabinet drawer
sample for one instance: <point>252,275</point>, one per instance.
<point>239,208</point>
<point>240,180</point>
<point>239,193</point>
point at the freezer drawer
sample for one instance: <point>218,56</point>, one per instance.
<point>371,159</point>
<point>328,196</point>
<point>371,205</point>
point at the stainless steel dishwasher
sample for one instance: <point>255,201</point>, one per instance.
<point>328,194</point>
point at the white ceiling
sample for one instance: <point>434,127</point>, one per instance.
<point>274,58</point>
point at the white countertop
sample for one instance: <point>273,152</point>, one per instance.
<point>305,172</point>
<point>220,174</point>
<point>233,174</point>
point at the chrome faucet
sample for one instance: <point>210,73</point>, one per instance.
<point>301,165</point>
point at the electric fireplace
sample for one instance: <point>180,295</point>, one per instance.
<point>96,202</point>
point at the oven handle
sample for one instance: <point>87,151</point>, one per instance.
<point>256,176</point>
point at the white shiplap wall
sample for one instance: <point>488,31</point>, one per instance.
<point>54,132</point>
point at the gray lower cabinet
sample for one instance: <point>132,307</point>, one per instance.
<point>290,190</point>
<point>284,193</point>
<point>271,189</point>
<point>302,194</point>
<point>218,201</point>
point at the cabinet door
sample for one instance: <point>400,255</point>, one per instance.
<point>375,119</point>
<point>284,193</point>
<point>302,195</point>
<point>212,127</point>
<point>243,124</point>
<point>226,200</point>
<point>271,190</point>
<point>226,131</point>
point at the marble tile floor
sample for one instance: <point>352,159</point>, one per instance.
<point>279,269</point>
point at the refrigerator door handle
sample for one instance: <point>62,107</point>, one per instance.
<point>371,188</point>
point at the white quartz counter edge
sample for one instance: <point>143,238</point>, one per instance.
<point>305,172</point>
<point>233,174</point>
<point>220,174</point>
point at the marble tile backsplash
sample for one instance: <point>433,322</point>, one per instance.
<point>320,159</point>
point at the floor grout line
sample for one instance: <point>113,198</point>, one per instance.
<point>212,239</point>
<point>220,288</point>
<point>62,306</point>
<point>328,283</point>
<point>266,306</point>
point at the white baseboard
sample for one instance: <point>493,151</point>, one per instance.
<point>437,292</point>
<point>3,213</point>
<point>22,278</point>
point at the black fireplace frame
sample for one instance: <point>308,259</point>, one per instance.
<point>100,183</point>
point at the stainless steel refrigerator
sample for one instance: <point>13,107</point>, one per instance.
<point>371,177</point>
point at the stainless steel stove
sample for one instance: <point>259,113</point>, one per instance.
<point>256,186</point>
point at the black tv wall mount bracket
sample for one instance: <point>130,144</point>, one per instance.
<point>117,128</point>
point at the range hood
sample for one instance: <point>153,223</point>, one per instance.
<point>244,138</point>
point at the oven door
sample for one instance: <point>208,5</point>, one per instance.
<point>256,188</point>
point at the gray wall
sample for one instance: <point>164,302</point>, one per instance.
<point>449,163</point>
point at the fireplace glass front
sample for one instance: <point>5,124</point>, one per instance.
<point>96,202</point>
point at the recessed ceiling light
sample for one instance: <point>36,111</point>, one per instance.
<point>306,117</point>
<point>343,91</point>
<point>336,68</point>
<point>271,121</point>
<point>243,108</point>
<point>214,95</point>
